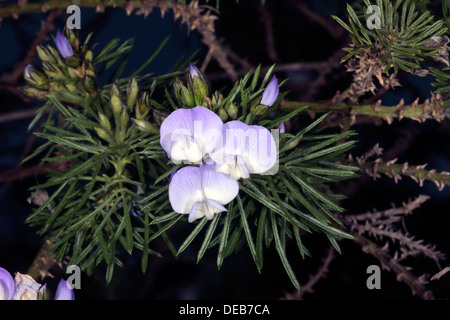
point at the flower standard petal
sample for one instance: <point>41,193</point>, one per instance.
<point>207,128</point>
<point>7,286</point>
<point>262,153</point>
<point>63,45</point>
<point>185,189</point>
<point>271,92</point>
<point>233,142</point>
<point>64,291</point>
<point>176,124</point>
<point>192,132</point>
<point>245,149</point>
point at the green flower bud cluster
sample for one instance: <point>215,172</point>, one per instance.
<point>195,92</point>
<point>67,78</point>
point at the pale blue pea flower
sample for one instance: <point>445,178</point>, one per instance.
<point>245,149</point>
<point>201,191</point>
<point>187,135</point>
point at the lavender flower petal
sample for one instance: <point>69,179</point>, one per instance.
<point>64,291</point>
<point>201,191</point>
<point>25,71</point>
<point>185,189</point>
<point>218,186</point>
<point>63,45</point>
<point>271,92</point>
<point>252,149</point>
<point>7,286</point>
<point>193,71</point>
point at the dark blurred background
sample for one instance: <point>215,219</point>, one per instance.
<point>298,35</point>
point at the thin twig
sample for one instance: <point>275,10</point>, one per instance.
<point>46,27</point>
<point>267,20</point>
<point>313,279</point>
<point>18,115</point>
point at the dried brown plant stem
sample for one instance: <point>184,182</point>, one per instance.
<point>18,115</point>
<point>313,279</point>
<point>43,262</point>
<point>330,26</point>
<point>322,67</point>
<point>267,21</point>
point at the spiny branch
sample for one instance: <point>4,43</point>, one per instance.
<point>416,284</point>
<point>418,173</point>
<point>381,226</point>
<point>430,109</point>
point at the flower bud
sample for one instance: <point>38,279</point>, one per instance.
<point>143,106</point>
<point>72,88</point>
<point>223,114</point>
<point>121,132</point>
<point>217,100</point>
<point>116,104</point>
<point>260,110</point>
<point>89,56</point>
<point>184,95</point>
<point>193,71</point>
<point>51,70</point>
<point>63,45</point>
<point>104,122</point>
<point>73,62</point>
<point>159,116</point>
<point>199,87</point>
<point>232,111</point>
<point>270,94</point>
<point>90,84</point>
<point>44,54</point>
<point>90,70</point>
<point>37,79</point>
<point>102,133</point>
<point>124,118</point>
<point>26,74</point>
<point>132,92</point>
<point>144,126</point>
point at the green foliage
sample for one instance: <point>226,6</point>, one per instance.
<point>404,38</point>
<point>112,198</point>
